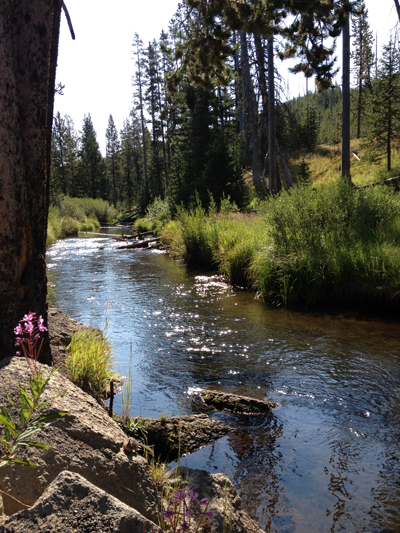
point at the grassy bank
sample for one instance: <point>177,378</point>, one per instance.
<point>68,216</point>
<point>325,165</point>
<point>334,244</point>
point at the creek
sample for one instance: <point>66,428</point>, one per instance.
<point>328,460</point>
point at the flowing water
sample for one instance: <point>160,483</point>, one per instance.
<point>329,458</point>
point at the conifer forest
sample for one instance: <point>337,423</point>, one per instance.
<point>203,119</point>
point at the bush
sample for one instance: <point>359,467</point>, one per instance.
<point>69,226</point>
<point>89,363</point>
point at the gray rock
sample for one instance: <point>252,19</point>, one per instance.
<point>61,327</point>
<point>71,504</point>
<point>87,442</point>
<point>225,504</point>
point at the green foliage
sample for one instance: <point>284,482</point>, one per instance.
<point>159,210</point>
<point>70,215</point>
<point>31,420</point>
<point>333,244</point>
<point>89,363</point>
<point>303,173</point>
<point>385,107</point>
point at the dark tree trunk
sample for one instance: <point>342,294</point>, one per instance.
<point>346,104</point>
<point>271,118</point>
<point>251,111</point>
<point>397,4</point>
<point>29,31</point>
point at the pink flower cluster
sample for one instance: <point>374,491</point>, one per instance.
<point>27,338</point>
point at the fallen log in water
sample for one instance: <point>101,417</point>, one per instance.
<point>240,405</point>
<point>129,237</point>
<point>118,237</point>
<point>141,244</point>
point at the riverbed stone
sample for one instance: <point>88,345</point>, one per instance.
<point>234,403</point>
<point>71,504</point>
<point>225,503</point>
<point>87,442</point>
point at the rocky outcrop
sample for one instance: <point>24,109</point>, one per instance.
<point>225,504</point>
<point>71,504</point>
<point>183,435</point>
<point>240,405</point>
<point>87,442</point>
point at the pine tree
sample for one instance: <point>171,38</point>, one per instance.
<point>113,150</point>
<point>309,125</point>
<point>153,100</point>
<point>129,173</point>
<point>385,108</point>
<point>64,156</point>
<point>138,96</point>
<point>363,59</point>
<point>92,176</point>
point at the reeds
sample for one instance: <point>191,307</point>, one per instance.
<point>331,244</point>
<point>89,363</point>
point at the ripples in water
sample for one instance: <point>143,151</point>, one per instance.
<point>328,460</point>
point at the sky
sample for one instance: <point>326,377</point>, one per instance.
<point>97,67</point>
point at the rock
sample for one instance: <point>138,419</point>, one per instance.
<point>2,515</point>
<point>62,327</point>
<point>71,504</point>
<point>187,433</point>
<point>87,442</point>
<point>240,405</point>
<point>225,504</point>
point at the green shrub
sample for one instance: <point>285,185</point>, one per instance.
<point>89,363</point>
<point>70,226</point>
<point>90,224</point>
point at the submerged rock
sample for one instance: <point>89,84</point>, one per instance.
<point>87,442</point>
<point>225,504</point>
<point>185,434</point>
<point>240,405</point>
<point>72,504</point>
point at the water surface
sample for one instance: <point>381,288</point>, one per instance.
<point>328,460</point>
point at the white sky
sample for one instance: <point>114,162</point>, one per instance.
<point>97,67</point>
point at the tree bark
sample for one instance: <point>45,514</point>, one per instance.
<point>29,31</point>
<point>397,4</point>
<point>346,104</point>
<point>251,111</point>
<point>271,118</point>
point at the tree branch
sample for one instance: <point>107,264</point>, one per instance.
<point>71,29</point>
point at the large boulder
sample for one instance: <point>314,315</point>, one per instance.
<point>71,504</point>
<point>225,504</point>
<point>87,442</point>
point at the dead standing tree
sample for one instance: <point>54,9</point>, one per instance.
<point>29,33</point>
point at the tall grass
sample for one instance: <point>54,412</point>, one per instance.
<point>331,244</point>
<point>89,363</point>
<point>325,165</point>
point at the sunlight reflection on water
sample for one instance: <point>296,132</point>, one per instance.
<point>328,460</point>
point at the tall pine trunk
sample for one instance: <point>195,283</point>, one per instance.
<point>271,118</point>
<point>29,31</point>
<point>251,110</point>
<point>346,104</point>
